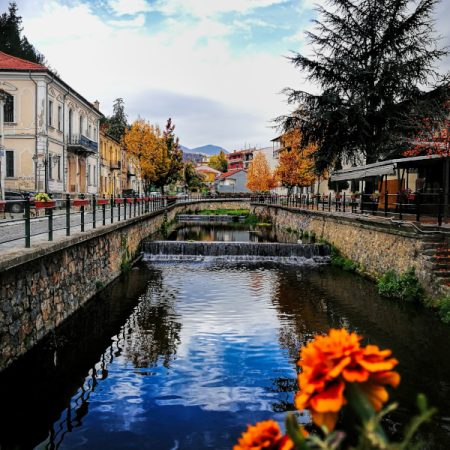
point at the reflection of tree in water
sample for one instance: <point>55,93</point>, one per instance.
<point>301,309</point>
<point>153,330</point>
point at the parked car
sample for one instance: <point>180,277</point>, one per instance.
<point>182,195</point>
<point>155,194</point>
<point>128,193</point>
<point>15,201</point>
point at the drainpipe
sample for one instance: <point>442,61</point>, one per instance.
<point>35,132</point>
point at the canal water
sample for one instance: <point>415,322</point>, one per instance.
<point>185,355</point>
<point>233,232</point>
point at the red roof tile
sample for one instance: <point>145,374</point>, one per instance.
<point>229,173</point>
<point>8,62</point>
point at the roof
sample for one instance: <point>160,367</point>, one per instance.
<point>9,62</point>
<point>207,169</point>
<point>229,173</point>
<point>379,168</point>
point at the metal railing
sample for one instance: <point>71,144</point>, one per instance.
<point>63,216</point>
<point>429,207</point>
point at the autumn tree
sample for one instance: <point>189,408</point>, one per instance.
<point>219,162</point>
<point>259,176</point>
<point>171,163</point>
<point>374,63</point>
<point>145,145</point>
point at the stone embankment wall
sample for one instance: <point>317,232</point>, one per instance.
<point>44,285</point>
<point>375,243</point>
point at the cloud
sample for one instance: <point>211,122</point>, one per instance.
<point>208,8</point>
<point>199,120</point>
<point>138,21</point>
<point>130,7</point>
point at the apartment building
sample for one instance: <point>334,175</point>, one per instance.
<point>51,132</point>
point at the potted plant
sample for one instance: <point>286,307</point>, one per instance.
<point>80,201</point>
<point>43,200</point>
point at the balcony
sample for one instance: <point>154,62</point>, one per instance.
<point>80,143</point>
<point>115,165</point>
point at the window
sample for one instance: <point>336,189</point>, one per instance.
<point>8,109</point>
<point>50,113</point>
<point>89,132</point>
<point>88,174</point>
<point>9,163</point>
<point>81,124</point>
<point>94,181</point>
<point>59,118</point>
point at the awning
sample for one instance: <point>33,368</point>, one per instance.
<point>380,168</point>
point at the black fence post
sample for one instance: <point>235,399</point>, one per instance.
<point>94,207</point>
<point>418,206</point>
<point>440,208</point>
<point>104,211</point>
<point>50,224</point>
<point>124,209</point>
<point>118,211</point>
<point>67,214</point>
<point>400,197</point>
<point>27,223</point>
<point>111,202</point>
<point>82,213</point>
<point>343,204</point>
<point>134,206</point>
<point>385,203</point>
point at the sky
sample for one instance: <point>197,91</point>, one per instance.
<point>217,67</point>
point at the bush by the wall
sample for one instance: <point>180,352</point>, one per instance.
<point>444,309</point>
<point>405,286</point>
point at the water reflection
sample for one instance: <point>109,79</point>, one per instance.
<point>185,355</point>
<point>231,233</point>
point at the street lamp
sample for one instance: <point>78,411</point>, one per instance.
<point>39,162</point>
<point>3,97</point>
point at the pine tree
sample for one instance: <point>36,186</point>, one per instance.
<point>371,59</point>
<point>11,39</point>
<point>117,124</point>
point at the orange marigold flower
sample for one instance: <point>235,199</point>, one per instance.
<point>265,435</point>
<point>329,362</point>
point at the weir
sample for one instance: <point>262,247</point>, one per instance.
<point>235,251</point>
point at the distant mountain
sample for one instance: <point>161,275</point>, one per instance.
<point>209,150</point>
<point>185,149</point>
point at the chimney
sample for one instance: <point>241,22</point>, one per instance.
<point>96,105</point>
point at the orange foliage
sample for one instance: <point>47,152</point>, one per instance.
<point>259,176</point>
<point>296,167</point>
<point>265,435</point>
<point>329,362</point>
<point>144,143</point>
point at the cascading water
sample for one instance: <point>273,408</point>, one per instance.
<point>236,251</point>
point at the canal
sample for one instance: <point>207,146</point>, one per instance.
<point>184,355</point>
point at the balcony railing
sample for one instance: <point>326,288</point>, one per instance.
<point>82,143</point>
<point>115,165</point>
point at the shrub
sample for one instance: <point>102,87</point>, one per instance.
<point>341,261</point>
<point>444,309</point>
<point>405,286</point>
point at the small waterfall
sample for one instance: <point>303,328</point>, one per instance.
<point>236,251</point>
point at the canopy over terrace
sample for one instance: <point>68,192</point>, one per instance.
<point>389,168</point>
<point>430,178</point>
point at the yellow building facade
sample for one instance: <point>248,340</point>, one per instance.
<point>110,165</point>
